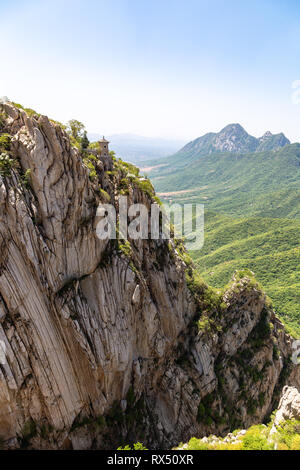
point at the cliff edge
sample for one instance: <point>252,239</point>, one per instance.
<point>109,342</point>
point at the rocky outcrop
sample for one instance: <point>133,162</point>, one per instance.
<point>105,342</point>
<point>289,406</point>
<point>270,141</point>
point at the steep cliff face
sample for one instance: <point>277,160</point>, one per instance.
<point>102,342</point>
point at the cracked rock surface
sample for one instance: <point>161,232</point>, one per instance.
<point>104,348</point>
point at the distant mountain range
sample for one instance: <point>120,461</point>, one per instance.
<point>135,148</point>
<point>231,165</point>
<point>234,138</point>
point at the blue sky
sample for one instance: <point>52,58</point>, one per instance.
<point>167,68</point>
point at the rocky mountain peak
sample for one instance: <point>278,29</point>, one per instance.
<point>271,141</point>
<point>233,128</point>
<point>234,138</point>
<point>266,135</point>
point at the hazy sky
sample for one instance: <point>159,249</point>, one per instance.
<point>173,68</point>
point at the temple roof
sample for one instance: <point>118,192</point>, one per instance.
<point>104,140</point>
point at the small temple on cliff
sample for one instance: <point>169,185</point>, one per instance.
<point>103,144</point>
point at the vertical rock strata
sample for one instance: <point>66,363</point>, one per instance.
<point>103,346</point>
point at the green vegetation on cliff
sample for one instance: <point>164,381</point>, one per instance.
<point>259,437</point>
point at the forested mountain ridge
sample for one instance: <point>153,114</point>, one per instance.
<point>234,138</point>
<point>265,184</point>
<point>252,211</point>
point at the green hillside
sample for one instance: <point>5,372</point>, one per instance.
<point>262,184</point>
<point>269,247</point>
<point>252,215</point>
<point>233,138</point>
